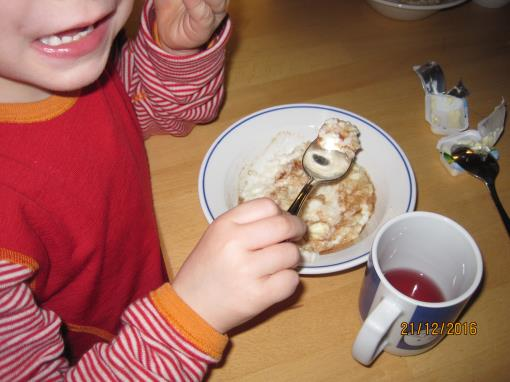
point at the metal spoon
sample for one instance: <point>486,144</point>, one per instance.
<point>485,168</point>
<point>320,165</point>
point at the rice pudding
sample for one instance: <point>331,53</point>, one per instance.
<point>335,212</point>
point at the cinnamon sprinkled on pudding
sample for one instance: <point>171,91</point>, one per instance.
<point>335,212</point>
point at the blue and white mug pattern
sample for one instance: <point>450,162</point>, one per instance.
<point>401,325</point>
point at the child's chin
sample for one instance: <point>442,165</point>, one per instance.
<point>70,86</point>
<point>73,82</point>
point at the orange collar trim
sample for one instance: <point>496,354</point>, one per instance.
<point>41,111</point>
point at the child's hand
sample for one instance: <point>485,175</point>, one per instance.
<point>185,25</point>
<point>242,264</point>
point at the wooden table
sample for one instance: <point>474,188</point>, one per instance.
<point>344,54</point>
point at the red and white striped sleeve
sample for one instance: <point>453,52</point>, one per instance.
<point>170,93</point>
<point>161,339</point>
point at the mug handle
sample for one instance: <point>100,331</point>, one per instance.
<point>367,345</point>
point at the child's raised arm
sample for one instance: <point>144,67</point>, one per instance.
<point>172,90</point>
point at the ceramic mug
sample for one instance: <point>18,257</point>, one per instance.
<point>434,266</point>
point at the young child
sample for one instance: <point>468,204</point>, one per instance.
<point>83,291</point>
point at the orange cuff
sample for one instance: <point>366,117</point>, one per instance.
<point>187,322</point>
<point>19,258</point>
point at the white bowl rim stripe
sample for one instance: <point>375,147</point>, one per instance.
<point>410,175</point>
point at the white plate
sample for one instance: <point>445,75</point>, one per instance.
<point>246,139</point>
<point>401,11</point>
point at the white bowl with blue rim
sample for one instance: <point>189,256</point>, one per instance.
<point>247,139</point>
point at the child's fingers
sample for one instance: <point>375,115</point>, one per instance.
<point>251,211</point>
<point>217,6</point>
<point>198,10</point>
<point>280,285</point>
<point>271,230</point>
<point>273,259</point>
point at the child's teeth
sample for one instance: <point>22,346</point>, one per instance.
<point>56,40</point>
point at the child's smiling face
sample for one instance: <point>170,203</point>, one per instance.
<point>57,45</point>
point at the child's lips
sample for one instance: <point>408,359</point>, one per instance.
<point>73,43</point>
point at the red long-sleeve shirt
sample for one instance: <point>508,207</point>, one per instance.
<point>78,239</point>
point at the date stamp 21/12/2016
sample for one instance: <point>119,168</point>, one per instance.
<point>438,328</point>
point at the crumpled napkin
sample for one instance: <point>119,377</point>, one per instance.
<point>447,114</point>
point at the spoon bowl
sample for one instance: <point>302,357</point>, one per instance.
<point>484,167</point>
<point>321,165</point>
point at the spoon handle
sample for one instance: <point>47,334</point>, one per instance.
<point>499,206</point>
<point>295,207</point>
